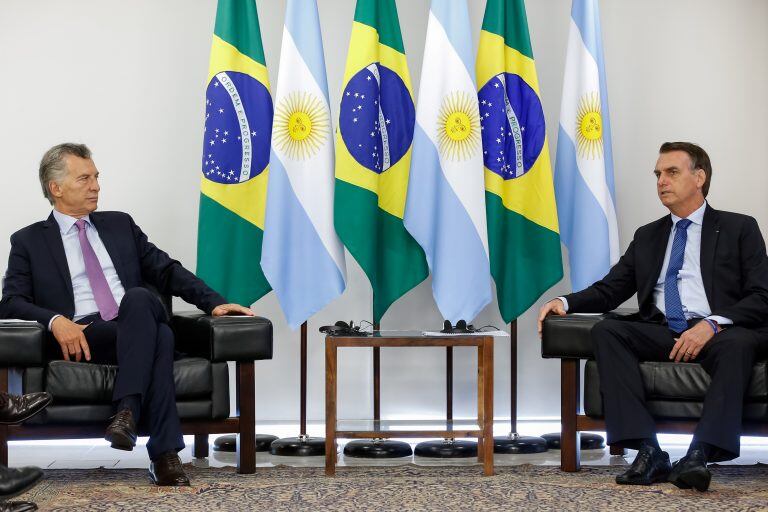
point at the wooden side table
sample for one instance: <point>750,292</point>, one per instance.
<point>483,431</point>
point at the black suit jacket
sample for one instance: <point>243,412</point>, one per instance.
<point>734,270</point>
<point>38,285</point>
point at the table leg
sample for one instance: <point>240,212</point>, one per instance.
<point>330,406</point>
<point>480,402</point>
<point>488,405</point>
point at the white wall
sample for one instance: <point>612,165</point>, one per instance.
<point>128,78</point>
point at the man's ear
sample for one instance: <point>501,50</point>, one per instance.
<point>54,188</point>
<point>701,177</point>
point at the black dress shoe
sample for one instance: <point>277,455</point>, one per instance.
<point>650,466</point>
<point>14,481</point>
<point>691,471</point>
<point>19,408</point>
<point>17,506</point>
<point>167,470</point>
<point>122,431</point>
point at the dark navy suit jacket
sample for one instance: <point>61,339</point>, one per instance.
<point>38,285</point>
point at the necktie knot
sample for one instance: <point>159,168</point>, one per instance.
<point>80,224</point>
<point>683,224</point>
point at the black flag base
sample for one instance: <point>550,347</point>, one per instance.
<point>517,445</point>
<point>228,443</point>
<point>588,441</point>
<point>302,446</point>
<point>446,449</point>
<point>377,449</point>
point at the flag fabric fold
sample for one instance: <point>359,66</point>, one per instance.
<point>302,257</point>
<point>445,211</point>
<point>238,127</point>
<point>373,156</point>
<point>523,238</point>
<point>584,186</point>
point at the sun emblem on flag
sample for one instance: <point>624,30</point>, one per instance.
<point>589,127</point>
<point>301,125</point>
<point>458,126</point>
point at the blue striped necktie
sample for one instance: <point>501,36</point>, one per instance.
<point>673,305</point>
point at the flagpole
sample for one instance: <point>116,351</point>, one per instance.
<point>377,448</point>
<point>303,383</point>
<point>303,445</point>
<point>514,443</point>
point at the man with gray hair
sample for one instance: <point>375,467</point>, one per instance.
<point>83,274</point>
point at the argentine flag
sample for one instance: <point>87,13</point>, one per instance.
<point>445,208</point>
<point>302,257</point>
<point>586,201</point>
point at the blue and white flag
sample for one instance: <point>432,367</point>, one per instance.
<point>302,257</point>
<point>445,207</point>
<point>586,201</point>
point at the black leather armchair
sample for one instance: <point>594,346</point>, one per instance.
<point>82,392</point>
<point>674,391</point>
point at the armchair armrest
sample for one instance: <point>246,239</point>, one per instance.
<point>568,337</point>
<point>224,338</point>
<point>21,344</point>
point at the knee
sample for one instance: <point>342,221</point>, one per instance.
<point>140,298</point>
<point>137,295</point>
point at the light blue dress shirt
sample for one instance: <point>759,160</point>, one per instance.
<point>84,303</point>
<point>690,283</point>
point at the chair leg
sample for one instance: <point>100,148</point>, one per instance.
<point>570,446</point>
<point>200,448</point>
<point>618,450</point>
<point>3,428</point>
<point>246,411</point>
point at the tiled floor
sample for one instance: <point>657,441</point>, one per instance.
<point>94,453</point>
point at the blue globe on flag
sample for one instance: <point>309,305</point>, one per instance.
<point>513,126</point>
<point>238,128</point>
<point>377,118</point>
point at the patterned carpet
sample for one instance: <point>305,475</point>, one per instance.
<point>406,487</point>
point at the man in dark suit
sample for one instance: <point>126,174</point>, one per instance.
<point>82,274</point>
<point>701,278</point>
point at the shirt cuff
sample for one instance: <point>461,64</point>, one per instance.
<point>721,320</point>
<point>50,322</point>
<point>565,303</point>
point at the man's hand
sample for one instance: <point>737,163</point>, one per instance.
<point>554,306</point>
<point>71,338</point>
<point>690,342</point>
<point>232,309</point>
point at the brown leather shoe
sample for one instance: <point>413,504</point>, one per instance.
<point>19,408</point>
<point>122,431</point>
<point>167,470</point>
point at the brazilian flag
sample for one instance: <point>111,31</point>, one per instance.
<point>238,131</point>
<point>373,156</point>
<point>523,233</point>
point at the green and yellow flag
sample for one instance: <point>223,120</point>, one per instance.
<point>523,234</point>
<point>238,130</point>
<point>373,156</point>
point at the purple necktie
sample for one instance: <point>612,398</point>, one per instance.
<point>101,292</point>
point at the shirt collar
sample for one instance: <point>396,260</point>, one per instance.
<point>697,217</point>
<point>66,222</point>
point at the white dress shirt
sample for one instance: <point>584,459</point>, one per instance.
<point>690,283</point>
<point>84,303</point>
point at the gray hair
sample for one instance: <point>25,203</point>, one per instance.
<point>54,168</point>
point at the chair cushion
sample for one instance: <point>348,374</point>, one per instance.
<point>84,383</point>
<point>675,390</point>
